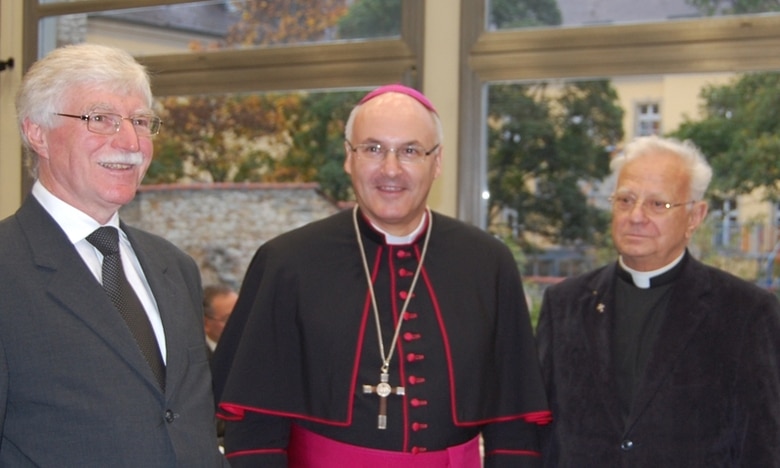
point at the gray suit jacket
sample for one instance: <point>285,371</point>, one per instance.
<point>75,390</point>
<point>710,393</point>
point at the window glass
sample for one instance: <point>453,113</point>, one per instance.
<point>550,143</point>
<point>226,24</point>
<point>648,119</point>
<point>512,14</point>
<point>254,137</point>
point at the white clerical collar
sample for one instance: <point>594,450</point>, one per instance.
<point>76,224</point>
<point>402,240</point>
<point>642,278</point>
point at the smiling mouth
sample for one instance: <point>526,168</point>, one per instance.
<point>117,166</point>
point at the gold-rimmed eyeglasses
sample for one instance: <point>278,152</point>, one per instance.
<point>106,123</point>
<point>626,203</point>
<point>406,154</point>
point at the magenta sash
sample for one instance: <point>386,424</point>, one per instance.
<point>309,450</point>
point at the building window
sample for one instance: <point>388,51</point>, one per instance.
<point>648,119</point>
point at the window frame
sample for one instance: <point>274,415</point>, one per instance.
<point>337,65</point>
<point>341,64</point>
<point>717,44</point>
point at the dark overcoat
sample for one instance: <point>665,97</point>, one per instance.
<point>710,393</point>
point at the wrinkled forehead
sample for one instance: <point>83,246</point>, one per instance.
<point>654,173</point>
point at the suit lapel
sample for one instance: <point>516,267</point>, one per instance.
<point>598,319</point>
<point>169,297</point>
<point>688,305</point>
<point>71,284</point>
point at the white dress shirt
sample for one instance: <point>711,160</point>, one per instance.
<point>77,226</point>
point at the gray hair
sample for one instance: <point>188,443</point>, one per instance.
<point>349,127</point>
<point>686,151</point>
<point>50,79</point>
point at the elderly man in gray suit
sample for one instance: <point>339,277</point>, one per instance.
<point>102,361</point>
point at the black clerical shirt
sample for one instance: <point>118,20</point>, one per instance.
<point>640,313</point>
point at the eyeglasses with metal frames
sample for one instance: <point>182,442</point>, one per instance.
<point>407,154</point>
<point>106,123</point>
<point>628,202</point>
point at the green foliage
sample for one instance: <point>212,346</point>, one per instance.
<point>167,166</point>
<point>318,141</point>
<point>297,137</point>
<point>544,148</point>
<point>371,18</point>
<point>222,138</point>
<point>740,134</point>
<point>734,7</point>
<point>505,14</point>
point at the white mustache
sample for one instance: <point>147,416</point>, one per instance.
<point>134,159</point>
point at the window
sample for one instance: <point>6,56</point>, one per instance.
<point>207,51</point>
<point>530,53</point>
<point>726,229</point>
<point>648,119</point>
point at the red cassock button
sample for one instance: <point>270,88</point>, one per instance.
<point>409,336</point>
<point>419,426</point>
<point>411,357</point>
<point>404,294</point>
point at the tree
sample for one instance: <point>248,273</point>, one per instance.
<point>317,148</point>
<point>223,138</point>
<point>505,14</point>
<point>266,22</point>
<point>740,134</point>
<point>544,149</point>
<point>371,18</point>
<point>248,137</point>
<point>734,7</point>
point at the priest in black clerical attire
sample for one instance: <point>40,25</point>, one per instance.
<point>657,360</point>
<point>387,335</point>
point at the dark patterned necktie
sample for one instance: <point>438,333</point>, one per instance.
<point>106,239</point>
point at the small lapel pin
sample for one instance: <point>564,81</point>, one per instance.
<point>600,307</point>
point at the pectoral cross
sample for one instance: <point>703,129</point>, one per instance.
<point>383,390</point>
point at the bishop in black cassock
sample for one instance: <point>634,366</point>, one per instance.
<point>302,344</point>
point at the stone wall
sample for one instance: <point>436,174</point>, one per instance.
<point>222,225</point>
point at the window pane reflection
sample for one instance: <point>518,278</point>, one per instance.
<point>513,14</point>
<point>226,24</point>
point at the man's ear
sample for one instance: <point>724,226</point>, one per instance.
<point>37,137</point>
<point>348,158</point>
<point>437,162</point>
<point>696,217</point>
